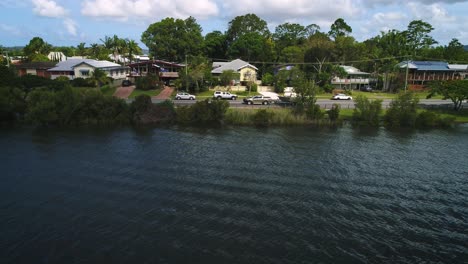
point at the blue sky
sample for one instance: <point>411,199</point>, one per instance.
<point>69,22</point>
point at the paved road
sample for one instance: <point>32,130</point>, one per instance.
<point>324,103</point>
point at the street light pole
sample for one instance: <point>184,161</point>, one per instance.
<point>186,74</point>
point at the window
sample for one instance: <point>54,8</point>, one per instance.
<point>84,72</point>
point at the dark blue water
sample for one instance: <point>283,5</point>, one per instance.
<point>233,196</point>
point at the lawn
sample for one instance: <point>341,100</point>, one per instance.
<point>150,93</point>
<point>108,90</point>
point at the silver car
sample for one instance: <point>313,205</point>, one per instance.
<point>185,96</point>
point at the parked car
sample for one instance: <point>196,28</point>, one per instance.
<point>366,88</point>
<point>184,96</point>
<point>341,96</point>
<point>126,83</point>
<point>224,95</point>
<point>259,99</point>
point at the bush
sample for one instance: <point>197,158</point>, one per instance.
<point>262,118</point>
<point>314,112</point>
<point>204,112</point>
<point>428,119</point>
<point>334,112</point>
<point>366,113</point>
<point>402,111</point>
<point>268,79</point>
<point>253,87</point>
<point>143,111</point>
<point>147,82</point>
<point>328,88</point>
<point>81,82</point>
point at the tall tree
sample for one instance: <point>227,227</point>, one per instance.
<point>132,48</point>
<point>339,28</point>
<point>417,36</point>
<point>246,24</point>
<point>215,45</point>
<point>172,39</point>
<point>37,49</point>
<point>81,49</point>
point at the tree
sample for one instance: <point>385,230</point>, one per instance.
<point>402,111</point>
<point>132,48</point>
<point>249,23</point>
<point>455,90</point>
<point>289,34</point>
<point>417,36</point>
<point>250,47</point>
<point>366,112</point>
<point>227,77</point>
<point>215,45</point>
<point>37,49</point>
<point>172,39</point>
<point>455,51</point>
<point>99,77</point>
<point>339,28</point>
<point>81,49</point>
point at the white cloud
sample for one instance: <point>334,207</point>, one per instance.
<point>71,26</point>
<point>149,9</point>
<point>48,8</point>
<point>11,30</point>
<point>280,10</point>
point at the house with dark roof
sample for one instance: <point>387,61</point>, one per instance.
<point>35,68</point>
<point>83,68</point>
<point>354,78</point>
<point>419,73</point>
<point>247,72</point>
<point>166,71</point>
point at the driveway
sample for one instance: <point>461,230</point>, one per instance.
<point>124,92</point>
<point>165,93</point>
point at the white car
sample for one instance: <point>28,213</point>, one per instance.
<point>185,96</point>
<point>341,96</point>
<point>224,95</point>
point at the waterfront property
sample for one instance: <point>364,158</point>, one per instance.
<point>247,72</point>
<point>167,71</point>
<point>354,79</point>
<point>83,68</point>
<point>419,73</point>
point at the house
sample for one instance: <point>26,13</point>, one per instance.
<point>35,68</point>
<point>166,71</point>
<point>354,79</point>
<point>419,73</point>
<point>83,68</point>
<point>247,72</point>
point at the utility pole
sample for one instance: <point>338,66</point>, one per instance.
<point>406,78</point>
<point>7,59</point>
<point>186,74</point>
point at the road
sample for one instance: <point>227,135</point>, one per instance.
<point>324,103</point>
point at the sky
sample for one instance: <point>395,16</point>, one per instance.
<point>70,22</point>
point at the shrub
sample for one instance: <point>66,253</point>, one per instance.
<point>253,87</point>
<point>268,79</point>
<point>402,111</point>
<point>428,119</point>
<point>334,112</point>
<point>143,111</point>
<point>262,118</point>
<point>81,82</point>
<point>328,88</point>
<point>148,82</point>
<point>314,112</point>
<point>366,113</point>
<point>203,112</point>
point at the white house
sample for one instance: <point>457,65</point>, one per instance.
<point>353,80</point>
<point>83,68</point>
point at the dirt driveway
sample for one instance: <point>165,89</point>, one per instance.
<point>124,92</point>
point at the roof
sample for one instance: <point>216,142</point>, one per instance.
<point>353,70</point>
<point>37,65</point>
<point>425,65</point>
<point>69,65</point>
<point>458,67</point>
<point>158,63</point>
<point>234,65</point>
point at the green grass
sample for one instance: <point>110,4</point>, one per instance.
<point>150,93</point>
<point>108,90</point>
<point>460,116</point>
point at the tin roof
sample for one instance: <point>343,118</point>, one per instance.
<point>425,65</point>
<point>68,65</point>
<point>234,65</point>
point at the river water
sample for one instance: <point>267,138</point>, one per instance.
<point>239,195</point>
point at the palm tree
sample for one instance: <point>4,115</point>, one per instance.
<point>99,77</point>
<point>95,50</point>
<point>132,48</point>
<point>81,50</point>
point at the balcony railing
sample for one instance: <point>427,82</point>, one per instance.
<point>349,81</point>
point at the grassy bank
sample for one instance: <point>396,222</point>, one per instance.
<point>150,93</point>
<point>285,117</point>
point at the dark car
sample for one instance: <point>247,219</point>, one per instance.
<point>126,83</point>
<point>366,88</point>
